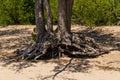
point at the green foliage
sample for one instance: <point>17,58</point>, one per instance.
<point>17,12</point>
<point>85,12</point>
<point>54,5</point>
<point>96,12</point>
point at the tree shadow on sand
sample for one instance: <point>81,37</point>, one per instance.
<point>15,38</point>
<point>14,32</point>
<point>76,65</point>
<point>81,63</point>
<point>105,40</point>
<point>72,65</point>
<point>16,65</point>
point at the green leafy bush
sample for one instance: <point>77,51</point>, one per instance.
<point>85,12</point>
<point>96,12</point>
<point>17,12</point>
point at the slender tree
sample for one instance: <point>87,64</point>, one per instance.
<point>39,15</point>
<point>52,43</point>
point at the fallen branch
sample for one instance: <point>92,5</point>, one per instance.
<point>63,68</point>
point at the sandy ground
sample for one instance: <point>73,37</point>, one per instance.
<point>105,67</point>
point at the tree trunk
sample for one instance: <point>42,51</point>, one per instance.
<point>64,15</point>
<point>51,43</point>
<point>64,20</point>
<point>69,5</point>
<point>39,15</point>
<point>49,16</point>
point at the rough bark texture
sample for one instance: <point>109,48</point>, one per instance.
<point>69,5</point>
<point>64,15</point>
<point>64,19</point>
<point>49,16</point>
<point>39,15</point>
<point>61,41</point>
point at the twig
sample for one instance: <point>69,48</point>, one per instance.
<point>63,68</point>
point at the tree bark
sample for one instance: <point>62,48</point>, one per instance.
<point>64,21</point>
<point>63,41</point>
<point>39,15</point>
<point>69,5</point>
<point>49,16</point>
<point>64,14</point>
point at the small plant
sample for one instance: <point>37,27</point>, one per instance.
<point>34,34</point>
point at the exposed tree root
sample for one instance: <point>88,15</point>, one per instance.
<point>50,46</point>
<point>53,46</point>
<point>63,68</point>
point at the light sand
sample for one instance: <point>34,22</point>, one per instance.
<point>105,67</point>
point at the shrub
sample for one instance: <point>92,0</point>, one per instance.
<point>17,12</point>
<point>85,12</point>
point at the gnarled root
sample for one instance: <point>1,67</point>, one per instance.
<point>78,45</point>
